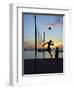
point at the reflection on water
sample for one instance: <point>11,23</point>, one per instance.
<point>31,54</point>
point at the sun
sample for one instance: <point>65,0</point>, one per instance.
<point>56,44</point>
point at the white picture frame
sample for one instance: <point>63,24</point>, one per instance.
<point>16,10</point>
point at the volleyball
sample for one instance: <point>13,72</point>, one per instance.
<point>49,28</point>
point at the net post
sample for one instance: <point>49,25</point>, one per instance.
<point>35,44</point>
<point>43,42</point>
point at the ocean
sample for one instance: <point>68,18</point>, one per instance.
<point>31,54</point>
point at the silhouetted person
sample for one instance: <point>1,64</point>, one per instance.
<point>56,52</point>
<point>49,48</point>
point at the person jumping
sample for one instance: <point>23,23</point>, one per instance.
<point>49,48</point>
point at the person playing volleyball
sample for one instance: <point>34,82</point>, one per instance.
<point>49,43</point>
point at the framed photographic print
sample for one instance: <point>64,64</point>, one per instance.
<point>37,41</point>
<point>43,43</point>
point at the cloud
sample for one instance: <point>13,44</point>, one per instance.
<point>58,24</point>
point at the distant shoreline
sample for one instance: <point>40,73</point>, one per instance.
<point>40,50</point>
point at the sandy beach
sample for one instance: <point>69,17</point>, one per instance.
<point>39,66</point>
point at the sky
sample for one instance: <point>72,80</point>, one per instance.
<point>43,22</point>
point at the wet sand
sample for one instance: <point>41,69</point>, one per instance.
<point>43,66</point>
